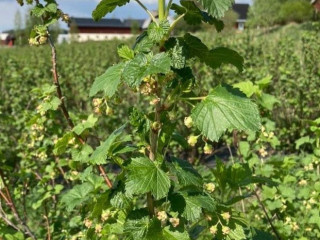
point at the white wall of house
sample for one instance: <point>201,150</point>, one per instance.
<point>241,24</point>
<point>83,37</point>
<point>3,36</point>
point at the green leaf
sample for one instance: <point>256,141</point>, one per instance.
<point>175,235</point>
<point>303,140</point>
<point>177,52</point>
<point>143,228</point>
<point>82,155</point>
<point>38,11</point>
<point>101,153</point>
<point>237,233</point>
<point>157,32</point>
<point>51,7</point>
<point>108,82</point>
<point>144,65</point>
<point>225,108</point>
<point>216,8</point>
<point>121,201</point>
<point>268,101</point>
<point>193,15</point>
<point>76,196</point>
<point>187,175</point>
<point>145,176</point>
<point>53,104</point>
<point>61,145</point>
<point>89,123</point>
<point>247,87</point>
<point>215,57</point>
<point>143,43</point>
<point>107,6</point>
<point>125,52</point>
<point>192,210</point>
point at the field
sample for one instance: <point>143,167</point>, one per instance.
<point>281,75</point>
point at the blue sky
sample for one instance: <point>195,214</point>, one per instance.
<point>76,8</point>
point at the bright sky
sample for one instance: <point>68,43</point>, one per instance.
<point>76,8</point>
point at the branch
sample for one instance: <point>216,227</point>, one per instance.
<point>266,214</point>
<point>63,106</point>
<point>9,201</point>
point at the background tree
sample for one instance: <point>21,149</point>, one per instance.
<point>18,28</point>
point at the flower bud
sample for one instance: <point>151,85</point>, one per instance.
<point>105,215</point>
<point>208,149</point>
<point>88,223</point>
<point>162,216</point>
<point>174,221</point>
<point>225,230</point>
<point>213,230</point>
<point>98,228</point>
<point>192,140</point>
<point>109,111</point>
<point>188,122</point>
<point>226,216</point>
<point>210,187</point>
<point>43,39</point>
<point>97,102</point>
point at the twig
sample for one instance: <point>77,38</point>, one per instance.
<point>266,214</point>
<point>9,201</point>
<point>240,191</point>
<point>63,106</point>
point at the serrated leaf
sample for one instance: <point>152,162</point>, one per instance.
<point>216,8</point>
<point>143,43</point>
<point>82,155</point>
<point>144,65</point>
<point>221,55</point>
<point>62,143</point>
<point>38,11</point>
<point>187,175</point>
<point>215,57</point>
<point>177,52</point>
<point>53,104</point>
<point>121,201</point>
<point>99,156</point>
<point>89,123</point>
<point>125,52</point>
<point>193,15</point>
<point>108,82</point>
<point>225,108</point>
<point>237,233</point>
<point>107,6</point>
<point>195,204</point>
<point>247,87</point>
<point>157,32</point>
<point>145,176</point>
<point>51,7</point>
<point>143,228</point>
<point>76,196</point>
<point>192,210</point>
<point>175,235</point>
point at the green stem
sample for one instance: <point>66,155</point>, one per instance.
<point>161,9</point>
<point>168,8</point>
<point>174,24</point>
<point>147,10</point>
<point>154,135</point>
<point>194,98</point>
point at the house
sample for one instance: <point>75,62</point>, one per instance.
<point>84,29</point>
<point>242,11</point>
<point>7,38</point>
<point>316,4</point>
